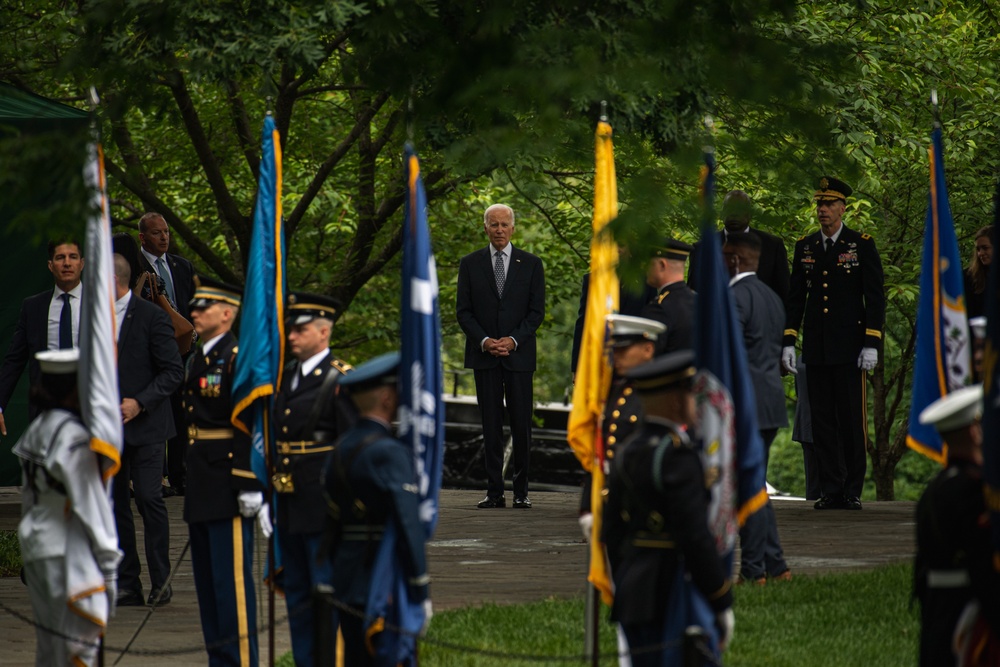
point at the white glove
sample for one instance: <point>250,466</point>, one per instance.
<point>868,358</point>
<point>264,522</point>
<point>111,590</point>
<point>428,613</point>
<point>725,622</point>
<point>788,359</point>
<point>586,525</point>
<point>250,502</point>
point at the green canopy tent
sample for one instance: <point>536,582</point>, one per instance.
<point>42,153</point>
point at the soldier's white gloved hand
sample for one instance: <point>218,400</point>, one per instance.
<point>726,622</point>
<point>868,358</point>
<point>788,359</point>
<point>264,522</point>
<point>586,521</point>
<point>250,503</point>
<point>428,613</point>
<point>111,590</point>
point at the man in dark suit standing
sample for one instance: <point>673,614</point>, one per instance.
<point>48,321</point>
<point>149,371</point>
<point>837,294</point>
<point>674,303</point>
<point>178,278</point>
<point>500,304</point>
<point>773,269</point>
<point>762,319</point>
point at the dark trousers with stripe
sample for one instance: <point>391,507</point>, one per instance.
<point>494,387</point>
<point>838,404</point>
<point>302,568</point>
<point>222,558</point>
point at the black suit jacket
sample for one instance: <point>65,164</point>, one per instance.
<point>149,370</point>
<point>772,269</point>
<point>183,274</point>
<point>762,320</point>
<point>482,313</point>
<point>30,336</point>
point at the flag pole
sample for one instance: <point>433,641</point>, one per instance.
<point>270,540</point>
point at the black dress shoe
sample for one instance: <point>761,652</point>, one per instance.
<point>830,503</point>
<point>130,599</point>
<point>522,503</point>
<point>853,503</point>
<point>488,503</point>
<point>164,599</point>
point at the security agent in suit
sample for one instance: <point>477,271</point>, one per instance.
<point>674,302</point>
<point>500,303</point>
<point>223,495</point>
<point>656,519</point>
<point>954,551</point>
<point>762,319</point>
<point>308,417</point>
<point>47,321</point>
<point>837,294</point>
<point>772,269</point>
<point>370,482</point>
<point>149,371</point>
<point>633,342</point>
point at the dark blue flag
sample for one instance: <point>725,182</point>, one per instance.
<point>421,424</point>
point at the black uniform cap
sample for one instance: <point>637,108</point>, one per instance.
<point>832,189</point>
<point>672,249</point>
<point>208,290</point>
<point>383,369</point>
<point>664,372</point>
<point>303,307</point>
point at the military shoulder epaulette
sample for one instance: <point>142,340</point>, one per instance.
<point>866,236</point>
<point>340,365</point>
<point>236,349</point>
<point>801,238</point>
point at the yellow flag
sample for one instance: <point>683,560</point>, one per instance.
<point>593,370</point>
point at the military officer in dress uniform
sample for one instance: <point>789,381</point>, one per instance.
<point>837,295</point>
<point>656,522</point>
<point>308,418</point>
<point>633,342</point>
<point>954,553</point>
<point>674,302</point>
<point>370,482</point>
<point>223,495</point>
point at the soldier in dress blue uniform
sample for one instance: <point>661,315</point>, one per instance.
<point>633,342</point>
<point>954,562</point>
<point>674,302</point>
<point>223,495</point>
<point>308,417</point>
<point>656,521</point>
<point>369,483</point>
<point>837,295</point>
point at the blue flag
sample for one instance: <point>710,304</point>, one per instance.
<point>421,424</point>
<point>943,357</point>
<point>262,315</point>
<point>991,392</point>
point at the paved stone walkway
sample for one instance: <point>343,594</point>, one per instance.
<point>499,556</point>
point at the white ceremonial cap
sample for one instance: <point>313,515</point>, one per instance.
<point>58,362</point>
<point>626,329</point>
<point>954,410</point>
<point>978,326</point>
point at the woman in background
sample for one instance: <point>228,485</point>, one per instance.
<point>977,273</point>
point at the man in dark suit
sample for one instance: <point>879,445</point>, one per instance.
<point>178,278</point>
<point>736,212</point>
<point>47,321</point>
<point>500,304</point>
<point>674,303</point>
<point>837,294</point>
<point>308,416</point>
<point>149,371</point>
<point>762,319</point>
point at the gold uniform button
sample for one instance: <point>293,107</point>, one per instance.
<point>190,408</point>
<point>826,310</point>
<point>611,440</point>
<point>615,414</point>
<point>824,285</point>
<point>191,442</point>
<point>628,391</point>
<point>633,419</point>
<point>613,428</point>
<point>824,273</point>
<point>826,298</point>
<point>610,454</point>
<point>288,411</point>
<point>285,461</point>
<point>230,455</point>
<point>621,401</point>
<point>284,429</point>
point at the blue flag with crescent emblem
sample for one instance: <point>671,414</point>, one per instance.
<point>421,425</point>
<point>943,358</point>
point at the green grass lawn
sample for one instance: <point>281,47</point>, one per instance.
<point>10,554</point>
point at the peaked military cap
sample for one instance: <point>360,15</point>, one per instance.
<point>954,410</point>
<point>672,249</point>
<point>664,372</point>
<point>832,189</point>
<point>58,362</point>
<point>303,307</point>
<point>383,369</point>
<point>208,290</point>
<point>626,329</point>
<point>978,326</point>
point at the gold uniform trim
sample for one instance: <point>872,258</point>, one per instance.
<point>244,473</point>
<point>873,332</point>
<point>791,332</point>
<point>302,447</point>
<point>196,433</point>
<point>239,586</point>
